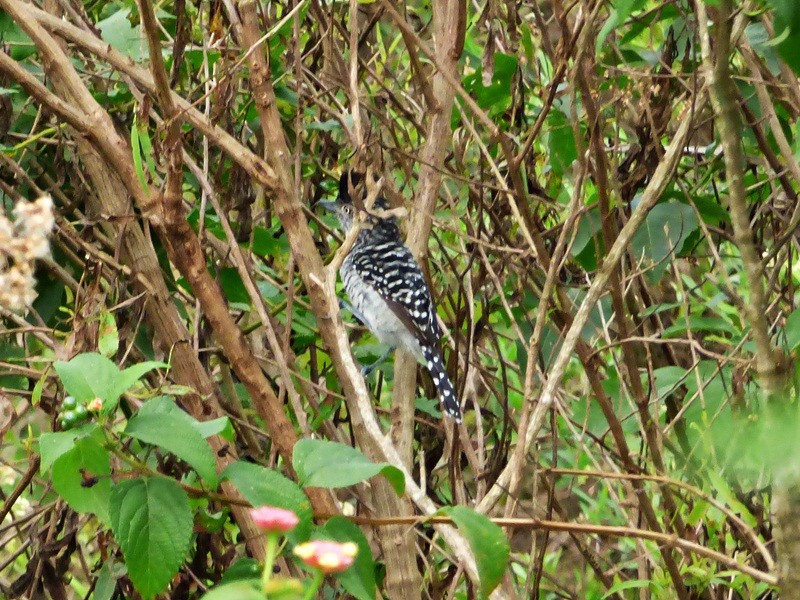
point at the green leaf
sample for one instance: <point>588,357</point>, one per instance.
<point>621,586</point>
<point>792,330</point>
<point>92,375</point>
<point>118,32</point>
<point>77,467</point>
<point>489,544</point>
<point>221,426</point>
<point>152,521</point>
<point>662,235</point>
<point>358,580</point>
<point>108,337</point>
<point>496,97</point>
<point>561,146</point>
<point>130,376</point>
<point>244,569</point>
<point>619,15</point>
<point>787,31</point>
<point>235,591</point>
<point>321,463</point>
<point>54,445</point>
<point>172,433</point>
<point>166,405</point>
<point>264,487</point>
<point>107,578</point>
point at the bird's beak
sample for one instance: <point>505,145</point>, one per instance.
<point>326,204</point>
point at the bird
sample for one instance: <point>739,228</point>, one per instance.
<point>387,289</point>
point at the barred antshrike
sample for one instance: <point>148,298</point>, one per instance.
<point>387,288</point>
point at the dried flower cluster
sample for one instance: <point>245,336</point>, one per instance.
<point>21,243</point>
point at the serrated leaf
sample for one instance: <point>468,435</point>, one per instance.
<point>488,542</point>
<point>174,434</point>
<point>264,487</point>
<point>75,468</point>
<point>359,579</point>
<point>152,522</point>
<point>321,463</point>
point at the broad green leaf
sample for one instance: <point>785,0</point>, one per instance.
<point>165,404</point>
<point>75,469</point>
<point>54,445</point>
<point>264,487</point>
<point>118,32</point>
<point>359,579</point>
<point>321,463</point>
<point>662,235</point>
<point>87,376</point>
<point>496,97</point>
<point>488,542</point>
<point>172,433</point>
<point>238,590</point>
<point>697,324</point>
<point>92,375</point>
<point>152,522</point>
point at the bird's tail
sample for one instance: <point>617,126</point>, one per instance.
<point>447,393</point>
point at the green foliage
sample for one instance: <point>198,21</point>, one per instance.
<point>89,376</point>
<point>80,475</point>
<point>488,542</point>
<point>320,463</point>
<point>262,486</point>
<point>152,521</point>
<point>358,580</point>
<point>660,421</point>
<point>787,31</point>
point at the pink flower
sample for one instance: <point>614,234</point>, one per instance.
<point>328,557</point>
<point>273,519</point>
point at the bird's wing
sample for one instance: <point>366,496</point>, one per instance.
<point>399,281</point>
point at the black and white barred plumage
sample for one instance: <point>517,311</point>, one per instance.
<point>389,292</point>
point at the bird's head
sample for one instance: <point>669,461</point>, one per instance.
<point>353,185</point>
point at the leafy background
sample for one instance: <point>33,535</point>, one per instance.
<point>653,468</point>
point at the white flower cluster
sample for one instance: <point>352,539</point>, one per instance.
<point>21,243</point>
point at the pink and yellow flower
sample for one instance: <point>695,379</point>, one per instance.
<point>328,557</point>
<point>274,519</point>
